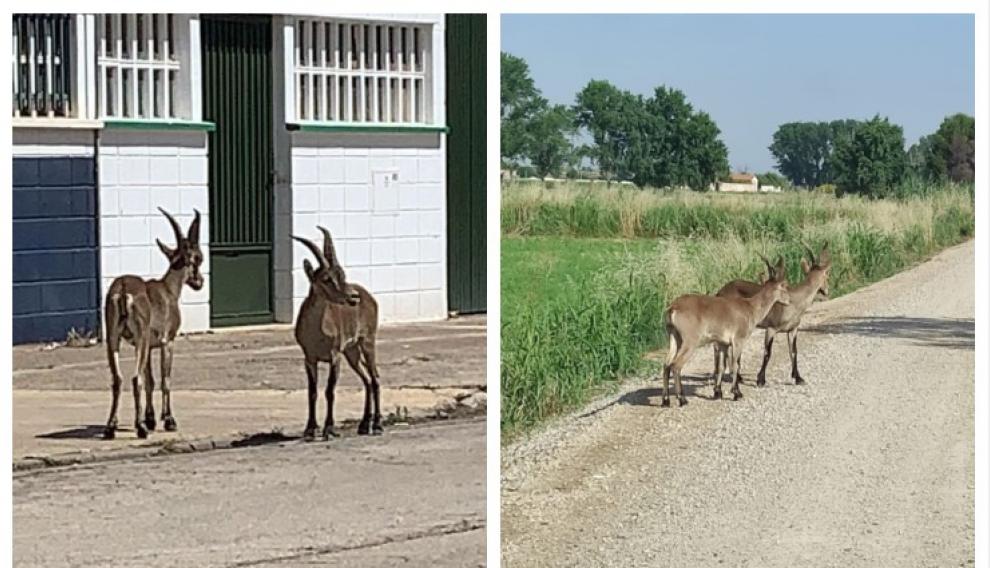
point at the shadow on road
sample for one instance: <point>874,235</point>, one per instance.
<point>77,433</point>
<point>948,333</point>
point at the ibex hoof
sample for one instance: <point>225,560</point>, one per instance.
<point>141,431</point>
<point>329,432</point>
<point>761,381</point>
<point>170,424</point>
<point>798,381</point>
<point>665,402</point>
<point>717,395</point>
<point>110,432</point>
<point>364,429</point>
<point>681,401</point>
<point>377,430</point>
<point>309,433</point>
<point>736,395</point>
<point>149,423</point>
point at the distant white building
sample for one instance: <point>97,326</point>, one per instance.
<point>740,182</point>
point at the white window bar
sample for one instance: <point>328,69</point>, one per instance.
<point>361,72</point>
<point>41,64</point>
<point>137,66</point>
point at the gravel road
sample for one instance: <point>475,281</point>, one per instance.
<point>414,497</point>
<point>869,464</point>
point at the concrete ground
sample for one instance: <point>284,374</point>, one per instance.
<point>414,497</point>
<point>236,385</point>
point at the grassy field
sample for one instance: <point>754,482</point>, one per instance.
<point>588,272</point>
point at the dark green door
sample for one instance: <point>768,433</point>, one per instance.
<point>237,96</point>
<point>466,155</point>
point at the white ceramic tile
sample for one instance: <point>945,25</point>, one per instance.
<point>382,252</point>
<point>134,231</point>
<point>304,170</point>
<point>357,198</point>
<point>164,170</point>
<point>430,170</point>
<point>134,170</point>
<point>193,170</point>
<point>332,197</point>
<point>382,279</point>
<point>431,276</point>
<point>407,278</point>
<point>432,305</point>
<point>356,169</point>
<point>407,251</point>
<point>133,201</point>
<point>357,226</point>
<point>331,169</point>
<point>306,199</point>
<point>382,226</point>
<point>354,253</point>
<point>135,260</point>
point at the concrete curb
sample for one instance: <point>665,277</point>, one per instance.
<point>465,406</point>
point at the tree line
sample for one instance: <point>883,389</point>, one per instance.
<point>662,141</point>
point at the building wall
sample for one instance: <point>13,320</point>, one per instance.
<point>390,239</point>
<point>55,255</point>
<point>141,170</point>
<point>737,187</point>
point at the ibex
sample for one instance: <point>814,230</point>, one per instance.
<point>787,318</point>
<point>146,313</point>
<point>695,320</point>
<point>338,318</point>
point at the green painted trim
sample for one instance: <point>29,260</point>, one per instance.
<point>241,319</point>
<point>152,124</point>
<point>376,128</point>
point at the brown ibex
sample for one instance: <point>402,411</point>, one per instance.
<point>146,313</point>
<point>695,320</point>
<point>787,318</point>
<point>338,318</point>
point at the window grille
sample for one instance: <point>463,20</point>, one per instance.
<point>42,65</point>
<point>362,72</point>
<point>138,72</point>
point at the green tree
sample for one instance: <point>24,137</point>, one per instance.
<point>521,102</point>
<point>802,150</point>
<point>614,120</point>
<point>660,141</point>
<point>872,160</point>
<point>550,147</point>
<point>952,153</point>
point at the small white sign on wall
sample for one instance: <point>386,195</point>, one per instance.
<point>385,191</point>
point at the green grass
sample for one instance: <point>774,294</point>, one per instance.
<point>581,304</point>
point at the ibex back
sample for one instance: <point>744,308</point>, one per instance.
<point>146,314</point>
<point>335,319</point>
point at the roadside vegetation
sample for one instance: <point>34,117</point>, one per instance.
<point>587,271</point>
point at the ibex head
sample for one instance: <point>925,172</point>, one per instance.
<point>328,278</point>
<point>820,266</point>
<point>186,256</point>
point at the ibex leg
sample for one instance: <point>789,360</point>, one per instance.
<point>368,348</point>
<point>736,357</point>
<point>354,359</point>
<point>792,342</point>
<point>671,354</point>
<point>166,365</point>
<point>761,377</point>
<point>311,379</point>
<point>328,430</point>
<point>149,398</point>
<point>113,357</point>
<point>143,352</point>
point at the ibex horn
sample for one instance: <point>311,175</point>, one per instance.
<point>811,253</point>
<point>175,225</point>
<point>825,257</point>
<point>314,249</point>
<point>328,250</point>
<point>767,262</point>
<point>193,234</point>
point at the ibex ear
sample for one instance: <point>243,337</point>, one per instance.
<point>308,268</point>
<point>193,234</point>
<point>168,252</point>
<point>805,267</point>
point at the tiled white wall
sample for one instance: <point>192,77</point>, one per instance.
<point>392,243</point>
<point>141,170</point>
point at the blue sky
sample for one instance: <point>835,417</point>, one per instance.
<point>753,72</point>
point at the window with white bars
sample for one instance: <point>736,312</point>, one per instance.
<point>42,59</point>
<point>362,72</point>
<point>139,75</point>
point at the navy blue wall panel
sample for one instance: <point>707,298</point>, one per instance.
<point>56,252</point>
